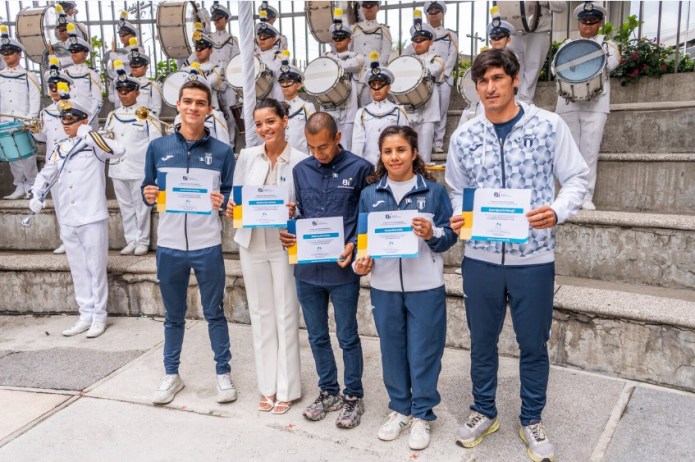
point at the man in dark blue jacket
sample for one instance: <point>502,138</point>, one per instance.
<point>328,184</point>
<point>191,240</point>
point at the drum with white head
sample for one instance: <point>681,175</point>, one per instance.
<point>36,30</point>
<point>319,17</point>
<point>578,67</point>
<point>524,16</point>
<point>171,87</point>
<point>175,27</point>
<point>466,87</point>
<point>413,84</point>
<point>325,80</point>
<point>235,78</point>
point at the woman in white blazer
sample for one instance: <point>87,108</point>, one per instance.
<point>268,276</point>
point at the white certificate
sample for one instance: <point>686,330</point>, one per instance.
<point>189,192</point>
<point>390,234</point>
<point>499,215</point>
<point>319,239</point>
<point>265,206</point>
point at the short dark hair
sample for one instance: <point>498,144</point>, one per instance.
<point>319,121</point>
<point>410,136</point>
<point>502,57</point>
<point>280,108</point>
<point>196,85</point>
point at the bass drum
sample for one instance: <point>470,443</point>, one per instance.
<point>466,88</point>
<point>578,67</point>
<point>524,16</point>
<point>36,31</point>
<point>319,16</point>
<point>324,79</point>
<point>175,27</point>
<point>264,78</point>
<point>413,85</point>
<point>171,87</point>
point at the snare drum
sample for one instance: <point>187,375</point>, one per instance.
<point>319,16</point>
<point>578,67</point>
<point>171,87</point>
<point>325,80</point>
<point>466,87</point>
<point>175,27</point>
<point>524,16</point>
<point>16,142</point>
<point>413,85</point>
<point>35,30</point>
<point>264,78</point>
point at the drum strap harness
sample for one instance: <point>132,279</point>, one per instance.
<point>378,116</point>
<point>297,112</point>
<point>378,31</point>
<point>16,77</point>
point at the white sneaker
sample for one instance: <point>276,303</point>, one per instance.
<point>171,384</point>
<point>60,250</point>
<point>128,249</point>
<point>393,426</point>
<point>141,249</point>
<point>419,434</point>
<point>97,329</point>
<point>226,393</point>
<point>79,327</point>
<point>17,194</point>
<point>588,205</point>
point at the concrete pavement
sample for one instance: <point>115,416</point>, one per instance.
<point>66,399</point>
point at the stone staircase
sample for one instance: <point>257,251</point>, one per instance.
<point>625,298</point>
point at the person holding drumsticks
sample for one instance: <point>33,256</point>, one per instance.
<point>408,294</point>
<point>587,119</point>
<point>515,147</point>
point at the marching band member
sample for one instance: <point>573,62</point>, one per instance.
<point>215,120</point>
<point>87,88</point>
<point>372,119</point>
<point>213,74</point>
<point>126,32</point>
<point>532,49</point>
<point>587,119</point>
<point>49,119</point>
<point>368,36</point>
<point>272,14</point>
<point>445,46</point>
<point>423,120</point>
<point>150,92</point>
<point>500,32</point>
<point>351,63</point>
<point>267,40</point>
<point>70,9</point>
<point>127,172</point>
<point>61,32</point>
<point>290,80</point>
<point>20,95</point>
<point>77,164</point>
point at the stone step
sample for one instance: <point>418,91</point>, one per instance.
<point>640,333</point>
<point>632,182</point>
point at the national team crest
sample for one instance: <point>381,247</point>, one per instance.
<point>528,142</point>
<point>208,158</point>
<point>421,203</point>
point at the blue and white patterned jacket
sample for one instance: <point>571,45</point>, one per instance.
<point>538,150</point>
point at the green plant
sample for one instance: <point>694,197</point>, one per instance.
<point>164,69</point>
<point>94,62</point>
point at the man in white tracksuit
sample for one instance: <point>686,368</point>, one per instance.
<point>532,49</point>
<point>20,95</point>
<point>368,36</point>
<point>587,119</point>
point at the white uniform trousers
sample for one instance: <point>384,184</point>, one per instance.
<point>587,131</point>
<point>135,214</point>
<point>274,311</point>
<point>24,173</point>
<point>444,100</point>
<point>531,49</point>
<point>86,247</point>
<point>425,136</point>
<point>345,124</point>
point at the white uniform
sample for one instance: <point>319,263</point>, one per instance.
<point>368,36</point>
<point>279,45</point>
<point>344,115</point>
<point>424,119</point>
<point>215,123</point>
<point>65,60</point>
<point>370,121</point>
<point>299,113</point>
<point>150,95</point>
<point>51,133</point>
<point>225,47</point>
<point>86,89</point>
<point>215,77</point>
<point>83,215</point>
<point>273,59</point>
<point>587,119</point>
<point>128,172</point>
<point>532,49</point>
<point>20,95</point>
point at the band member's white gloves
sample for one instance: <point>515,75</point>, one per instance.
<point>84,130</point>
<point>36,205</point>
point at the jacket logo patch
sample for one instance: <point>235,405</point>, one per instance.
<point>378,203</point>
<point>208,158</point>
<point>347,181</point>
<point>167,157</point>
<point>528,142</point>
<point>421,203</point>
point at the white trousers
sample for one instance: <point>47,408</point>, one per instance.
<point>24,173</point>
<point>86,247</point>
<point>532,49</point>
<point>444,100</point>
<point>274,310</point>
<point>587,131</point>
<point>425,136</point>
<point>135,214</point>
<point>346,138</point>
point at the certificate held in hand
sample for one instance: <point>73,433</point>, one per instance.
<point>319,240</point>
<point>189,192</point>
<point>496,215</point>
<point>387,234</point>
<point>260,206</point>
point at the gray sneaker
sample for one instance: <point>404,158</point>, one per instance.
<point>540,449</point>
<point>351,413</point>
<point>321,405</point>
<point>476,428</point>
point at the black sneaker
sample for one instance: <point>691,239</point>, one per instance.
<point>351,413</point>
<point>323,404</point>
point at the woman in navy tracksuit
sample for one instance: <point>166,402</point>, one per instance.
<point>408,295</point>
